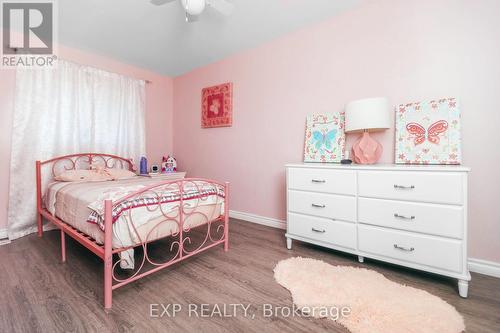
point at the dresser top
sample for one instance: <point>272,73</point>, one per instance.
<point>392,167</point>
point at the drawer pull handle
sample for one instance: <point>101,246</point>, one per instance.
<point>403,187</point>
<point>318,206</point>
<point>404,217</point>
<point>318,181</point>
<point>407,249</point>
<point>317,230</point>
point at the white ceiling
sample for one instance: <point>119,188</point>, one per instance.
<point>159,39</point>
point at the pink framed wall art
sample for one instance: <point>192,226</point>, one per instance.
<point>217,106</point>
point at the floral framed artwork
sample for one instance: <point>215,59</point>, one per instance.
<point>428,132</point>
<point>325,137</point>
<point>217,106</point>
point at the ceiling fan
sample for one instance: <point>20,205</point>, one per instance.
<point>194,8</point>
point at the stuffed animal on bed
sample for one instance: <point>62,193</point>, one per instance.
<point>169,164</point>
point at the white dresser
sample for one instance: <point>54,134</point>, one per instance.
<point>414,216</point>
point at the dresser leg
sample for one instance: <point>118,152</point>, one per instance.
<point>463,288</point>
<point>289,243</point>
<point>361,259</point>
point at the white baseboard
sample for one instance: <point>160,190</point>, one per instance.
<point>484,267</point>
<point>267,221</point>
<point>475,265</point>
<point>4,237</point>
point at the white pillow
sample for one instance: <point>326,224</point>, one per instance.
<point>83,176</point>
<point>117,174</point>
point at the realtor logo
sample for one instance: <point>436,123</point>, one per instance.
<point>28,31</point>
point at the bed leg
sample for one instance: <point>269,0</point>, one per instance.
<point>108,255</point>
<point>63,246</point>
<point>226,231</point>
<point>226,217</point>
<point>108,292</point>
<point>39,224</point>
<point>39,220</point>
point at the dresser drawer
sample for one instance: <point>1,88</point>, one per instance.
<point>430,251</point>
<point>331,206</point>
<point>334,232</point>
<point>322,180</point>
<point>441,220</point>
<point>442,187</point>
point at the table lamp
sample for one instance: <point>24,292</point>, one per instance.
<point>367,115</point>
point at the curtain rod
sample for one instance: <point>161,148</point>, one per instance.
<point>105,70</point>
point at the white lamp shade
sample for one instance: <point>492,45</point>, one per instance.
<point>367,114</point>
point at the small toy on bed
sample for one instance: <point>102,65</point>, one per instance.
<point>169,164</point>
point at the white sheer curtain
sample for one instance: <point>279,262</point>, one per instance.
<point>71,109</point>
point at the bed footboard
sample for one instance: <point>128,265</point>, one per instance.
<point>186,239</point>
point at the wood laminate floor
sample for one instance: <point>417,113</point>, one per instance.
<point>41,294</point>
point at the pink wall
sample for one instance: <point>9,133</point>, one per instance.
<point>406,51</point>
<point>159,112</point>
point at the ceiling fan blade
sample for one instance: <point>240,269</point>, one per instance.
<point>222,6</point>
<point>160,2</point>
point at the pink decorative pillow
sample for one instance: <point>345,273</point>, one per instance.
<point>83,176</point>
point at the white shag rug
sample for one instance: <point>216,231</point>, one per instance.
<point>377,304</point>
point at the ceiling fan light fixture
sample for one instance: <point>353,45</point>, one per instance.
<point>193,7</point>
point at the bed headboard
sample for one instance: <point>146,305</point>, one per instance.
<point>87,161</point>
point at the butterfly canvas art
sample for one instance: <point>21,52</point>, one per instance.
<point>325,138</point>
<point>428,132</point>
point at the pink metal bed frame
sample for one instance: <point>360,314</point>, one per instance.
<point>106,251</point>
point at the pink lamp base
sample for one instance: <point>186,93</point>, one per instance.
<point>366,150</point>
